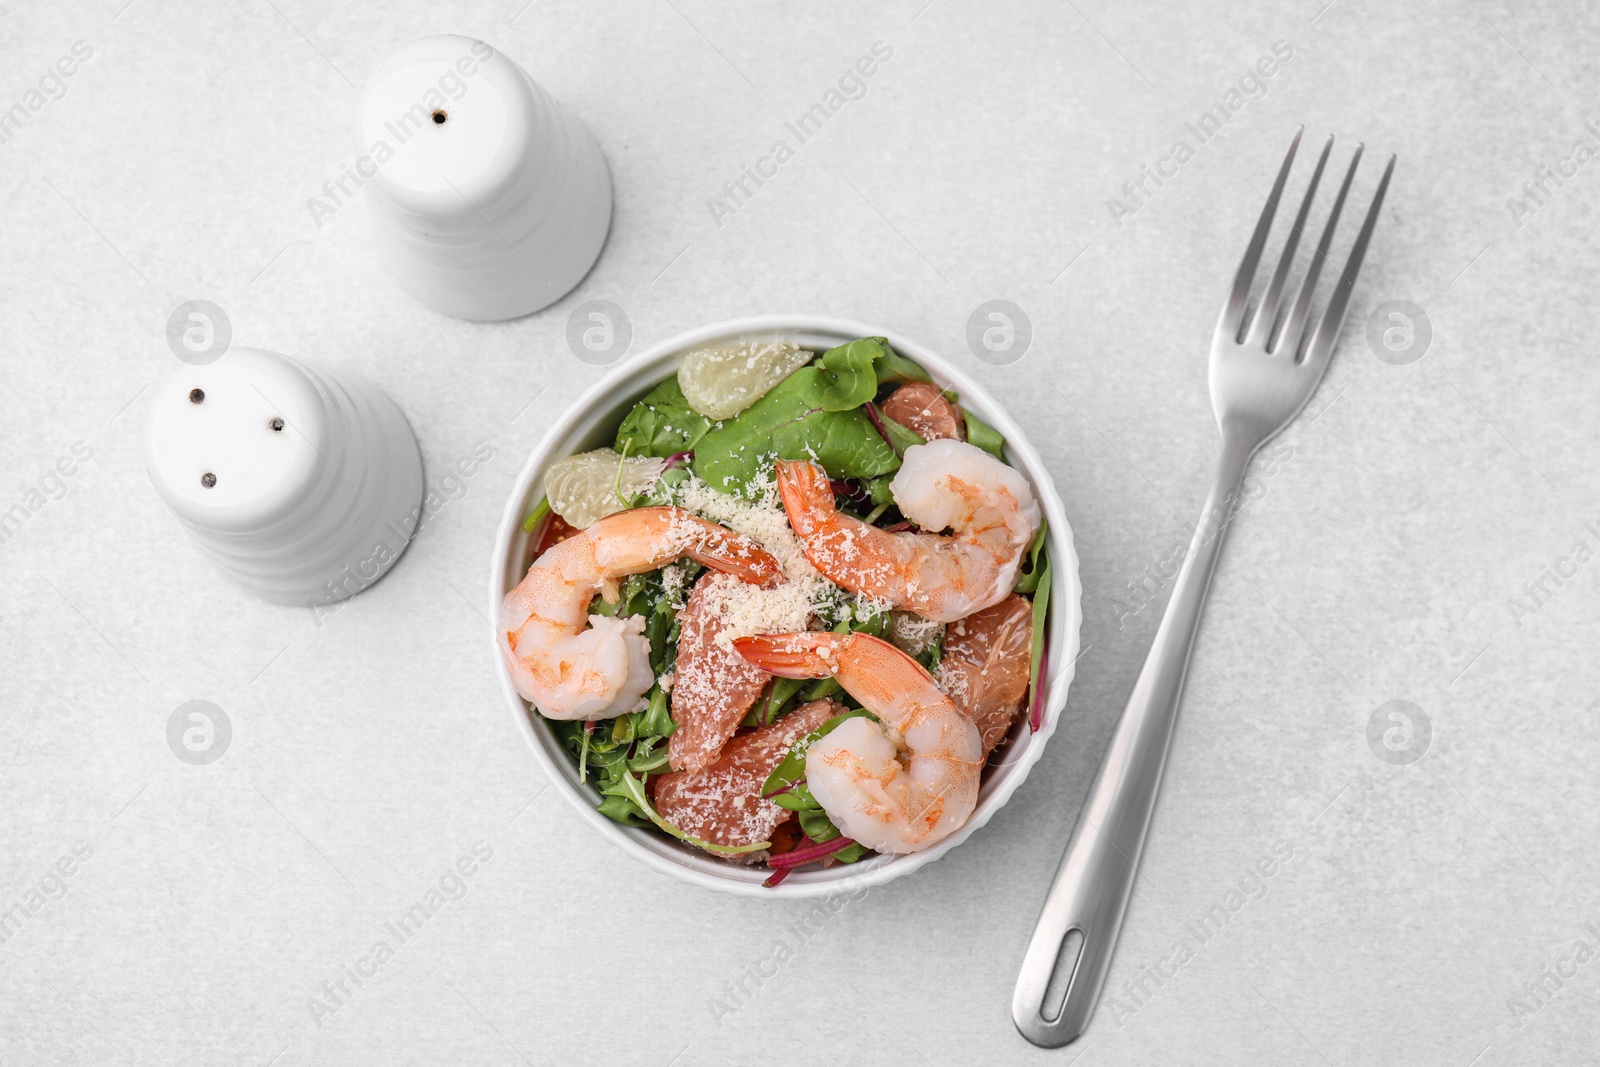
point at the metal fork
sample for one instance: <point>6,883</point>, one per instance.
<point>1258,385</point>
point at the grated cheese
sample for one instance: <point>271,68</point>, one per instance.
<point>741,609</point>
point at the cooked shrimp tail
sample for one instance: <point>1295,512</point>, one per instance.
<point>803,655</point>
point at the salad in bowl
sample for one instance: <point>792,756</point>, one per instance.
<point>795,611</point>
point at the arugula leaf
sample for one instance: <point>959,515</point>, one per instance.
<point>782,694</point>
<point>623,810</point>
<point>656,720</point>
<point>1028,574</point>
<point>983,435</point>
<point>792,768</point>
<point>791,422</point>
<point>531,523</point>
<point>864,619</point>
<point>1041,606</point>
<point>662,423</point>
<point>622,729</point>
<point>817,826</point>
<point>661,490</point>
<point>822,687</point>
<point>649,762</point>
<point>626,785</point>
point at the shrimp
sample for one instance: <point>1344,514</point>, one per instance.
<point>897,785</point>
<point>571,672</point>
<point>945,484</point>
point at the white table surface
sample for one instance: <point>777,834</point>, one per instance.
<point>373,750</point>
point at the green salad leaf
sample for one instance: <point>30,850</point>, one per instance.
<point>849,375</point>
<point>900,437</point>
<point>893,367</point>
<point>983,435</point>
<point>879,488</point>
<point>632,789</point>
<point>661,423</point>
<point>1041,608</point>
<point>1029,574</point>
<point>817,826</point>
<point>780,700</point>
<point>531,523</point>
<point>785,786</point>
<point>792,422</point>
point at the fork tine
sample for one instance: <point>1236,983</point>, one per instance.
<point>1327,334</point>
<point>1267,314</point>
<point>1233,310</point>
<point>1289,337</point>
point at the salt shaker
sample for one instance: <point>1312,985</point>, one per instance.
<point>302,487</point>
<point>488,199</point>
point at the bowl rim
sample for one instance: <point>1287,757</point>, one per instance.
<point>602,402</point>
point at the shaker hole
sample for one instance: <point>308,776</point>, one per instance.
<point>197,396</point>
<point>439,116</point>
<point>208,479</point>
<point>276,424</point>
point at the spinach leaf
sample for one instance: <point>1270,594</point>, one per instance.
<point>662,423</point>
<point>791,422</point>
<point>864,360</point>
<point>893,367</point>
<point>849,373</point>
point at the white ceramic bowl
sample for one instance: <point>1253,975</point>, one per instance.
<point>592,422</point>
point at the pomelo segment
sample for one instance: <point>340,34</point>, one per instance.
<point>923,407</point>
<point>984,668</point>
<point>583,488</point>
<point>721,382</point>
<point>713,686</point>
<point>722,803</point>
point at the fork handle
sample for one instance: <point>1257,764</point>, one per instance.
<point>1092,886</point>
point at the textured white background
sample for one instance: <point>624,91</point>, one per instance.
<point>372,751</point>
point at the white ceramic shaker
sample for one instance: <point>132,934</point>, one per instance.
<point>302,487</point>
<point>489,200</point>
